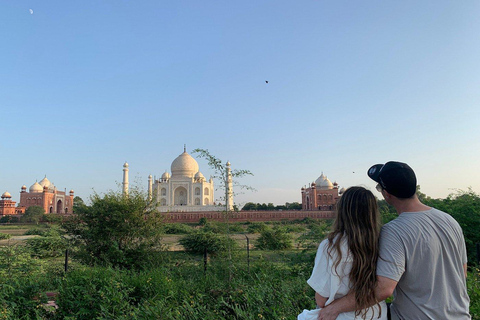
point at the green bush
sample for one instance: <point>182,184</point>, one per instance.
<point>94,293</point>
<point>9,219</point>
<point>177,228</point>
<point>116,230</point>
<point>257,227</point>
<point>5,236</point>
<point>44,247</point>
<point>473,287</point>
<point>198,242</point>
<point>275,239</point>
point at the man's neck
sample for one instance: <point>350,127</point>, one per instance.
<point>410,205</point>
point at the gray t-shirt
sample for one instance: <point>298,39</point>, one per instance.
<point>425,253</point>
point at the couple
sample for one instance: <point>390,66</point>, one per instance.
<point>420,257</point>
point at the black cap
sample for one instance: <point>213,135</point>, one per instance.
<point>396,178</point>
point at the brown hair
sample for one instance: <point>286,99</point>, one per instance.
<point>358,223</point>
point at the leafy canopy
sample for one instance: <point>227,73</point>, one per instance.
<point>116,230</point>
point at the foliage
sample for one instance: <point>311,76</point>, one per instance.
<point>45,247</point>
<point>257,227</point>
<point>176,228</point>
<point>52,218</point>
<point>274,239</point>
<point>250,206</point>
<point>78,204</point>
<point>45,231</point>
<point>315,234</point>
<point>220,170</point>
<point>202,221</point>
<point>9,219</point>
<point>33,214</point>
<point>473,288</point>
<point>213,243</point>
<point>94,293</point>
<point>116,230</point>
<point>16,260</point>
<point>464,207</point>
<point>4,236</point>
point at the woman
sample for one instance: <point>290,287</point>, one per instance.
<point>347,259</point>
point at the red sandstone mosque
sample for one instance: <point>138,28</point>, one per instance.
<point>43,194</point>
<point>321,195</point>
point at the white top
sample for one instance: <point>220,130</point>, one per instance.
<point>334,284</point>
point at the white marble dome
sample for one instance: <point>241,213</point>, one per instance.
<point>45,182</point>
<point>320,179</point>
<point>199,176</point>
<point>166,175</point>
<point>36,188</point>
<point>184,166</point>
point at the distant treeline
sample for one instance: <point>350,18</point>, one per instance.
<point>250,206</point>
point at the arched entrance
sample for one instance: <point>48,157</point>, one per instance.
<point>180,196</point>
<point>59,206</point>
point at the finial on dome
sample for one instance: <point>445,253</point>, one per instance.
<point>184,148</point>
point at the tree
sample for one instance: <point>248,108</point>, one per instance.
<point>275,239</point>
<point>213,243</point>
<point>116,230</point>
<point>78,204</point>
<point>249,206</point>
<point>220,173</point>
<point>33,214</point>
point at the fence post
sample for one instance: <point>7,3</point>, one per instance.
<point>248,253</point>
<point>66,260</point>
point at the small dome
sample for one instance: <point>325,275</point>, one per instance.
<point>6,194</point>
<point>45,182</point>
<point>341,191</point>
<point>166,175</point>
<point>71,191</point>
<point>24,187</point>
<point>125,165</point>
<point>199,176</point>
<point>36,188</point>
<point>327,184</point>
<point>184,166</point>
<point>228,163</point>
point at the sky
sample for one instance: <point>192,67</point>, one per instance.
<point>88,85</point>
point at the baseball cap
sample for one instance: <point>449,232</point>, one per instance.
<point>396,178</point>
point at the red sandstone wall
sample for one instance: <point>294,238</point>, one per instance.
<point>243,216</point>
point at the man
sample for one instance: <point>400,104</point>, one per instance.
<point>423,259</point>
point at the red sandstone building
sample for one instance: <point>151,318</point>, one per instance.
<point>7,206</point>
<point>321,195</point>
<point>44,194</point>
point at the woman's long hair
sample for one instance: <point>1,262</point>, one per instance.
<point>358,222</point>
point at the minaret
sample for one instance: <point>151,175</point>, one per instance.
<point>229,189</point>
<point>125,179</point>
<point>150,187</point>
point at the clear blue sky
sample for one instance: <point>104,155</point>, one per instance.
<point>87,85</point>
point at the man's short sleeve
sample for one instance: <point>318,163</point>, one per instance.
<point>391,260</point>
<point>320,279</point>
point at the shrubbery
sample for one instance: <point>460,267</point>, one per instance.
<point>213,243</point>
<point>275,239</point>
<point>116,230</point>
<point>177,228</point>
<point>4,236</point>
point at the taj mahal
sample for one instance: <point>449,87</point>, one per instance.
<point>185,189</point>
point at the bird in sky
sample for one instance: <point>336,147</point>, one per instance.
<point>266,81</point>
